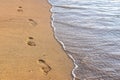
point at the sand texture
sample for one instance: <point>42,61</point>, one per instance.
<point>28,50</point>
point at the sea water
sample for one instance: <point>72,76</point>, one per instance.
<point>89,31</point>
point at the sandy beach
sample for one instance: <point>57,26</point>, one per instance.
<point>28,49</point>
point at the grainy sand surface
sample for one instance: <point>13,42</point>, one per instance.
<point>28,50</point>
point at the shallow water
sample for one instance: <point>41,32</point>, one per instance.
<point>90,32</point>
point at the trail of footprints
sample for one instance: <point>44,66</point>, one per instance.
<point>43,65</point>
<point>31,21</point>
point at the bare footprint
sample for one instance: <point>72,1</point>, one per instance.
<point>34,23</point>
<point>20,9</point>
<point>31,43</point>
<point>44,66</point>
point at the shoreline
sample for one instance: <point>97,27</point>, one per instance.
<point>63,47</point>
<point>74,66</point>
<point>29,50</point>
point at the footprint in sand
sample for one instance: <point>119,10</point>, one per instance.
<point>33,22</point>
<point>31,42</point>
<point>20,9</point>
<point>44,66</point>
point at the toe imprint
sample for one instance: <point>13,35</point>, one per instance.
<point>20,7</point>
<point>31,38</point>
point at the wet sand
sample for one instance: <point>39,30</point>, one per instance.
<point>28,50</point>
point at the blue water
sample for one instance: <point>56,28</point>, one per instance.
<point>89,31</point>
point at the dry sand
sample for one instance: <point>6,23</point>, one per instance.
<point>28,50</point>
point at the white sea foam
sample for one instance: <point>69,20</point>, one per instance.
<point>68,54</point>
<point>75,65</point>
